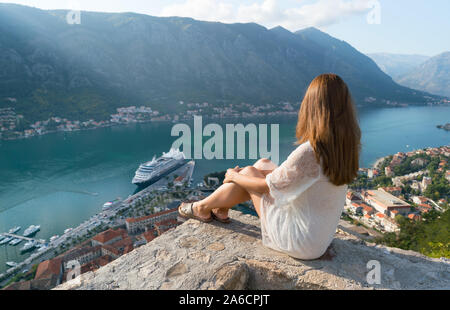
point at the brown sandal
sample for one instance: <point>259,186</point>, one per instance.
<point>225,221</point>
<point>185,210</point>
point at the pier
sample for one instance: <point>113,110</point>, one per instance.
<point>22,237</point>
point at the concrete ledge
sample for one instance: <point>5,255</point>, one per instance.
<point>219,256</point>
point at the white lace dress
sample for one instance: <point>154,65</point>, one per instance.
<point>300,215</point>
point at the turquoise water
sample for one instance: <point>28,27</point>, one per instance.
<point>60,180</point>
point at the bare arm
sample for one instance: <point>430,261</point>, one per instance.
<point>249,183</point>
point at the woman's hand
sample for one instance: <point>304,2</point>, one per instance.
<point>231,174</point>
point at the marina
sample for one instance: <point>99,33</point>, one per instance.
<point>22,238</point>
<point>180,176</point>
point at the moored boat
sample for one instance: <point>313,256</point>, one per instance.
<point>15,241</point>
<point>6,240</point>
<point>11,264</point>
<point>31,230</point>
<point>30,245</point>
<point>14,229</point>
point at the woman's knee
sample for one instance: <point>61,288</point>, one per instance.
<point>250,171</point>
<point>264,164</point>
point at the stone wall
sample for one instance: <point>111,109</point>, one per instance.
<point>220,256</point>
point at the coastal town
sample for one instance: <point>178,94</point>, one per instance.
<point>15,126</point>
<point>404,185</point>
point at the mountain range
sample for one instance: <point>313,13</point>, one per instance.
<point>432,76</point>
<point>397,65</point>
<point>120,59</point>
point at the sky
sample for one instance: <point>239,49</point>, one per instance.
<point>372,26</point>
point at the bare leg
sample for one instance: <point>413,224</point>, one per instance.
<point>224,198</point>
<point>227,196</point>
<point>265,166</point>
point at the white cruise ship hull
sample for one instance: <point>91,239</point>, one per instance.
<point>153,171</point>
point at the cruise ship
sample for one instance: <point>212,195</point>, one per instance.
<point>31,230</point>
<point>154,170</point>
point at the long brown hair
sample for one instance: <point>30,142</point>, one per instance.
<point>327,119</point>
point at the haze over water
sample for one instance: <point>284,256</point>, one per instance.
<point>60,180</point>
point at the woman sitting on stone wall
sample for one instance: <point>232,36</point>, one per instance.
<point>299,202</point>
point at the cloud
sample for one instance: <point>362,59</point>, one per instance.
<point>270,13</point>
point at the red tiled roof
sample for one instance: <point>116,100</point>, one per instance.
<point>111,249</point>
<point>392,189</point>
<point>366,207</point>
<point>424,205</point>
<point>122,243</point>
<point>149,235</point>
<point>19,286</point>
<point>103,260</point>
<point>109,235</point>
<point>48,268</point>
<point>128,249</point>
<point>167,222</point>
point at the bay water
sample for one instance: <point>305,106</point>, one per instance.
<point>59,180</point>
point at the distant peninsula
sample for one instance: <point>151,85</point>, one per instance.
<point>445,127</point>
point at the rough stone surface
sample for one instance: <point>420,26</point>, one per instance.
<point>220,256</point>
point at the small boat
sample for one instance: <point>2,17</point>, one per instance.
<point>28,246</point>
<point>53,238</point>
<point>42,248</point>
<point>111,204</point>
<point>15,241</point>
<point>68,230</point>
<point>14,229</point>
<point>6,240</point>
<point>31,230</point>
<point>11,264</point>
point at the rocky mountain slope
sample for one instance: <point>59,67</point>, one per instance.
<point>432,76</point>
<point>396,65</point>
<point>110,60</point>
